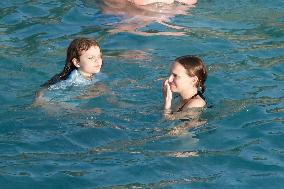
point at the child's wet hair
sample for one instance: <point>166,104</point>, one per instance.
<point>194,67</point>
<point>75,49</point>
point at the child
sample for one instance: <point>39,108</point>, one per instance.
<point>83,61</point>
<point>188,76</point>
<point>75,81</point>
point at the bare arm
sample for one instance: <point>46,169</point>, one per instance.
<point>168,95</point>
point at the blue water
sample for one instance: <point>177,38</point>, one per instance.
<point>118,138</point>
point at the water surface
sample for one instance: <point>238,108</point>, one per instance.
<point>118,139</point>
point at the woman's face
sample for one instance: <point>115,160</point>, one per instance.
<point>90,61</point>
<point>179,80</point>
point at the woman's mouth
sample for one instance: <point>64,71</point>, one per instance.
<point>172,86</point>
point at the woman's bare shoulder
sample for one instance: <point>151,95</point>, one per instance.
<point>196,103</point>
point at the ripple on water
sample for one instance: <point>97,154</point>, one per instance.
<point>168,183</point>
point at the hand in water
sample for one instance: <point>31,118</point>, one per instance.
<point>168,95</point>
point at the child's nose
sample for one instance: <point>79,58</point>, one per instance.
<point>98,61</point>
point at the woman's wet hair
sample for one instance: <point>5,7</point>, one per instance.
<point>75,49</point>
<point>194,67</point>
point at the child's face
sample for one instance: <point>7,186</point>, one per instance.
<point>90,61</point>
<point>179,80</point>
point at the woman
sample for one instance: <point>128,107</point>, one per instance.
<point>188,76</point>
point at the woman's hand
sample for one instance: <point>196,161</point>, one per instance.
<point>168,95</point>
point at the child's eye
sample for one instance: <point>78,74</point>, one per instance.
<point>94,58</point>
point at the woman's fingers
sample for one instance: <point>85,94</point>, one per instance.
<point>165,85</point>
<point>165,82</point>
<point>167,95</point>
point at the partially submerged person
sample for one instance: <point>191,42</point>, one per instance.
<point>136,15</point>
<point>187,80</point>
<point>83,61</point>
<point>82,68</point>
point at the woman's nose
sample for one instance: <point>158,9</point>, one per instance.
<point>171,78</point>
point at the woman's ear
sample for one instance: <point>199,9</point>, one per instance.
<point>76,62</point>
<point>195,81</point>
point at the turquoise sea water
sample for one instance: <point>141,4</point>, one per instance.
<point>117,137</point>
